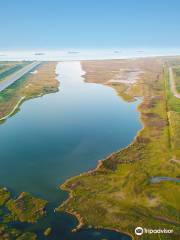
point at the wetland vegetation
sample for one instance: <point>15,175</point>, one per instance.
<point>42,138</point>
<point>25,208</point>
<point>29,86</point>
<point>119,190</point>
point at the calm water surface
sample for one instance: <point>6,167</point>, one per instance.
<point>61,135</point>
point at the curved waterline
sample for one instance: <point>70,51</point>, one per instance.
<point>61,135</point>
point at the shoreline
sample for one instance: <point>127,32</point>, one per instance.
<point>98,166</point>
<point>81,224</point>
<point>21,101</point>
<point>25,98</point>
<point>154,129</point>
<point>14,109</point>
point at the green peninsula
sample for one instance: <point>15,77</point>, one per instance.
<point>127,189</point>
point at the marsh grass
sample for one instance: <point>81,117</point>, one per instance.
<point>118,194</point>
<point>29,86</point>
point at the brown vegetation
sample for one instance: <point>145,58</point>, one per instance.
<point>29,86</point>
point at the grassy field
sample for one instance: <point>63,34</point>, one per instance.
<point>173,104</point>
<point>119,194</point>
<point>29,86</point>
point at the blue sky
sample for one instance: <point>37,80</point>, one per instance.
<point>57,24</point>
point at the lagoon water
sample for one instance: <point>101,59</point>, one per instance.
<point>60,135</point>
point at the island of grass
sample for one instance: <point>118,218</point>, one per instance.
<point>25,208</point>
<point>120,194</point>
<point>33,84</point>
<point>47,231</point>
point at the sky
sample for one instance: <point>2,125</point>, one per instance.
<point>58,24</point>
